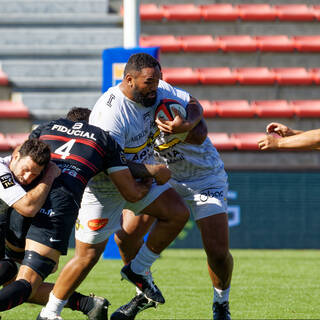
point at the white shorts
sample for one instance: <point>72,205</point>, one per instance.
<point>205,197</point>
<point>100,214</point>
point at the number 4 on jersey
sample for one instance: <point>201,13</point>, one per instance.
<point>64,150</point>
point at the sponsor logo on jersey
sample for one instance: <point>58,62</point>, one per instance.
<point>48,212</point>
<point>73,132</point>
<point>97,224</point>
<point>211,193</point>
<point>7,180</point>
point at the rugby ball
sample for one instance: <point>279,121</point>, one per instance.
<point>168,109</point>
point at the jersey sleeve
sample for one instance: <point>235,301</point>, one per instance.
<point>10,190</point>
<point>167,91</point>
<point>106,114</point>
<point>115,159</point>
<point>36,132</point>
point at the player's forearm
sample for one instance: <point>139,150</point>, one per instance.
<point>303,140</point>
<point>198,134</point>
<point>194,113</point>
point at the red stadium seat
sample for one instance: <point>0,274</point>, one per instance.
<point>237,43</point>
<point>275,43</point>
<point>4,145</point>
<point>307,43</point>
<point>221,141</point>
<point>218,76</point>
<point>199,43</point>
<point>4,81</point>
<point>209,110</point>
<point>188,12</point>
<point>167,43</point>
<point>12,109</point>
<point>234,108</point>
<point>180,75</point>
<point>14,139</point>
<point>316,10</point>
<point>273,108</point>
<point>316,75</point>
<point>219,12</point>
<point>260,12</point>
<point>255,76</point>
<point>306,108</point>
<point>247,141</point>
<point>150,11</point>
<point>295,12</point>
<point>293,76</point>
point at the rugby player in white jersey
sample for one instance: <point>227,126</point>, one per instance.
<point>126,111</point>
<point>199,177</point>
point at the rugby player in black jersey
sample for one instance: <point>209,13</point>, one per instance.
<point>81,151</point>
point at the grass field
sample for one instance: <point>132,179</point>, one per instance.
<point>267,284</point>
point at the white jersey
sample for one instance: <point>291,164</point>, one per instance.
<point>130,124</point>
<point>190,162</point>
<point>10,190</point>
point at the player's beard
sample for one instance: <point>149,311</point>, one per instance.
<point>144,99</point>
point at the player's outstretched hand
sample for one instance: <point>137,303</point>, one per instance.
<point>280,129</point>
<point>269,142</point>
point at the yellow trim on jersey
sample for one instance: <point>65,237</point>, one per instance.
<point>139,148</point>
<point>169,144</point>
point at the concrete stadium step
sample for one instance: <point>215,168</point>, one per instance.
<point>53,68</point>
<point>230,28</point>
<point>54,6</point>
<point>52,105</point>
<point>203,92</point>
<point>239,59</point>
<point>55,36</point>
<point>83,19</point>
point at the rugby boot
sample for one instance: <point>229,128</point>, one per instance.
<point>144,283</point>
<point>39,317</point>
<point>99,310</point>
<point>221,311</point>
<point>132,308</point>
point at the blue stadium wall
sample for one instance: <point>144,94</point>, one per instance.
<point>268,210</point>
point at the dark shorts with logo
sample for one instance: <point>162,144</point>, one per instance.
<point>53,224</point>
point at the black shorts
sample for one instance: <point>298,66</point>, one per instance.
<point>53,224</point>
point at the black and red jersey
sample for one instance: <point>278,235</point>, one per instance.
<point>80,150</point>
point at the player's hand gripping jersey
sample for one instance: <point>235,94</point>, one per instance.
<point>81,151</point>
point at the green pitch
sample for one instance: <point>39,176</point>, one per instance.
<point>267,284</point>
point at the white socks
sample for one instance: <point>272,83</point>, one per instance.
<point>220,296</point>
<point>54,306</point>
<point>143,260</point>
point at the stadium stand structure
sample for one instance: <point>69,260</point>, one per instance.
<point>249,64</point>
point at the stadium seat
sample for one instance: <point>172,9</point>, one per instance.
<point>294,12</point>
<point>14,139</point>
<point>219,76</point>
<point>247,141</point>
<point>209,110</point>
<point>273,108</point>
<point>316,75</point>
<point>255,76</point>
<point>219,12</point>
<point>180,75</point>
<point>307,43</point>
<point>150,11</point>
<point>260,12</point>
<point>237,43</point>
<point>275,43</point>
<point>199,43</point>
<point>221,141</point>
<point>306,108</point>
<point>316,11</point>
<point>4,81</point>
<point>13,109</point>
<point>233,108</point>
<point>167,43</point>
<point>188,12</point>
<point>293,76</point>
